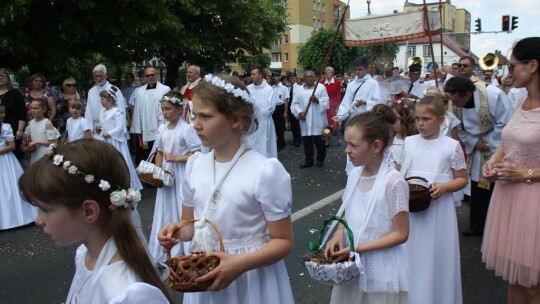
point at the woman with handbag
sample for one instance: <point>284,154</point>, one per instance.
<point>433,244</point>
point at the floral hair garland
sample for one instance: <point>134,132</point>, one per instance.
<point>119,198</point>
<point>229,87</point>
<point>173,100</point>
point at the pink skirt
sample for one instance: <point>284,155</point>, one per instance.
<point>511,244</point>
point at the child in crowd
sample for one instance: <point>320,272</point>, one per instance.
<point>449,126</point>
<point>403,127</point>
<point>14,211</point>
<point>433,243</point>
<point>246,194</point>
<point>175,143</point>
<point>377,212</point>
<point>82,191</point>
<point>77,126</point>
<point>111,130</point>
<point>40,130</point>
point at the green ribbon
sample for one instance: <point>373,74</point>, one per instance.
<point>316,247</point>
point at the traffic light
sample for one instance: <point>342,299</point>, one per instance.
<point>505,23</point>
<point>514,22</point>
<point>478,25</point>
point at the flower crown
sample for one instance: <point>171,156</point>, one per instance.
<point>173,100</point>
<point>229,87</point>
<point>119,198</point>
<point>403,105</point>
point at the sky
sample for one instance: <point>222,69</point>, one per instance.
<point>489,11</point>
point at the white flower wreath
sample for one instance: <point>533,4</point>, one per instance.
<point>228,87</point>
<point>119,198</point>
<point>173,100</point>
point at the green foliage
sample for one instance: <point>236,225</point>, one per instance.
<point>246,62</point>
<point>57,36</point>
<point>311,55</point>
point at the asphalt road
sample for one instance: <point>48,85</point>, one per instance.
<point>34,270</point>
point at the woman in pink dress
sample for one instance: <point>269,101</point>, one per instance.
<point>511,244</point>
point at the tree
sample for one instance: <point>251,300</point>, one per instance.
<point>311,55</point>
<point>54,35</point>
<point>247,62</point>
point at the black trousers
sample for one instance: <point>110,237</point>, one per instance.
<point>295,127</point>
<point>279,123</point>
<point>479,203</point>
<point>140,153</point>
<point>308,148</point>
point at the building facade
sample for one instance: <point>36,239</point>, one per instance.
<point>304,17</point>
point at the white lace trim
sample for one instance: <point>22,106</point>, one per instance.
<point>256,241</point>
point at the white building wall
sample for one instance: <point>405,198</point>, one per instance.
<point>402,58</point>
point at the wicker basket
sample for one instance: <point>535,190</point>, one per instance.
<point>25,148</point>
<point>186,269</point>
<point>152,174</point>
<point>328,272</point>
<point>419,196</point>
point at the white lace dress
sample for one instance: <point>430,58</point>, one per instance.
<point>386,276</point>
<point>433,243</point>
<point>113,122</point>
<point>14,210</point>
<point>396,149</point>
<point>38,132</point>
<point>257,190</point>
<point>168,209</point>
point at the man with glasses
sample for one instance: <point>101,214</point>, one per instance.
<point>93,103</point>
<point>147,115</point>
<point>362,94</point>
<point>483,115</point>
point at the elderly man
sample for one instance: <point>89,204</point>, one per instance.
<point>314,120</point>
<point>482,116</point>
<point>147,115</point>
<point>263,140</point>
<point>193,77</point>
<point>93,104</point>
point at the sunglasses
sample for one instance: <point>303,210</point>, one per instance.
<point>69,85</point>
<point>150,75</point>
<point>512,65</point>
<point>463,65</point>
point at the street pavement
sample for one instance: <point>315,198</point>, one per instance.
<point>34,270</point>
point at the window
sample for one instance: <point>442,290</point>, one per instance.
<point>411,50</point>
<point>427,51</point>
<point>276,57</point>
<point>324,8</point>
<point>285,39</point>
<point>314,5</point>
<point>286,55</point>
<point>314,22</point>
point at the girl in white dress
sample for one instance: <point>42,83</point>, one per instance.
<point>111,130</point>
<point>251,203</point>
<point>433,244</point>
<point>82,191</point>
<point>14,211</point>
<point>176,142</point>
<point>77,127</point>
<point>377,212</point>
<point>40,129</point>
<point>403,127</point>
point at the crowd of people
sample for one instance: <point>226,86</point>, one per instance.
<point>218,138</point>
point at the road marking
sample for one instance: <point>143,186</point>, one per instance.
<point>317,205</point>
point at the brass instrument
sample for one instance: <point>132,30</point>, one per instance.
<point>415,60</point>
<point>489,61</point>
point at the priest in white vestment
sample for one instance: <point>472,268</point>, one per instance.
<point>264,139</point>
<point>147,115</point>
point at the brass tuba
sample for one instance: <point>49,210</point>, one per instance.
<point>415,60</point>
<point>489,61</point>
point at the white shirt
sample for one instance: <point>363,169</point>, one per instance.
<point>147,114</point>
<point>316,118</point>
<point>76,128</point>
<point>369,91</point>
<point>281,92</point>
